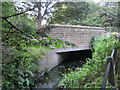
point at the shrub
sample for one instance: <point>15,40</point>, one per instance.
<point>20,66</point>
<point>91,74</point>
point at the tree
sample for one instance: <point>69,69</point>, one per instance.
<point>118,25</point>
<point>69,13</point>
<point>43,11</point>
<point>35,10</point>
<point>103,15</point>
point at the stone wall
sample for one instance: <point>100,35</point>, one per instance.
<point>79,35</point>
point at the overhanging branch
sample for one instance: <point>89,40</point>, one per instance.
<point>16,27</point>
<point>19,13</point>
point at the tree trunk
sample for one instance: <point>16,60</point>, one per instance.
<point>39,16</point>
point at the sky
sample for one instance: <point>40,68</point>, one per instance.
<point>96,0</point>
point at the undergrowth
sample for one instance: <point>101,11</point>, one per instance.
<point>91,74</point>
<point>19,66</point>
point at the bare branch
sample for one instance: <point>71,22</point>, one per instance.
<point>46,8</point>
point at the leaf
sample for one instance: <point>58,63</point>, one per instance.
<point>62,42</point>
<point>30,73</point>
<point>21,79</point>
<point>20,72</point>
<point>27,81</point>
<point>58,46</point>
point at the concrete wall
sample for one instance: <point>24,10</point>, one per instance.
<point>53,59</point>
<point>50,60</point>
<point>79,35</point>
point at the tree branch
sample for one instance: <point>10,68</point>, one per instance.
<point>19,13</point>
<point>46,7</point>
<point>16,27</point>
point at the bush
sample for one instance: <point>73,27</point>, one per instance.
<point>91,74</point>
<point>20,66</point>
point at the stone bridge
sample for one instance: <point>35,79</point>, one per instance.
<point>79,35</point>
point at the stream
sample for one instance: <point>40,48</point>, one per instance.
<point>52,78</point>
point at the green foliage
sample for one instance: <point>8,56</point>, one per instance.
<point>51,42</point>
<point>21,53</point>
<point>57,43</point>
<point>91,74</point>
<point>20,66</point>
<point>102,15</point>
<point>69,13</point>
<point>22,25</point>
<point>104,49</point>
<point>8,8</point>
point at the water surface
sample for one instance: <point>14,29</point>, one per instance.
<point>52,78</point>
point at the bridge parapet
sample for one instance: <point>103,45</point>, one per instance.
<point>79,35</point>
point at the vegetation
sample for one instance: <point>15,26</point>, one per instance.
<point>91,74</point>
<point>20,66</point>
<point>103,14</point>
<point>64,13</point>
<point>22,48</point>
<point>24,44</point>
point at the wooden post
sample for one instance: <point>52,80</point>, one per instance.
<point>106,75</point>
<point>115,61</point>
<point>111,72</point>
<point>114,57</point>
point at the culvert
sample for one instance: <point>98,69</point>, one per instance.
<point>72,56</point>
<point>66,61</point>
